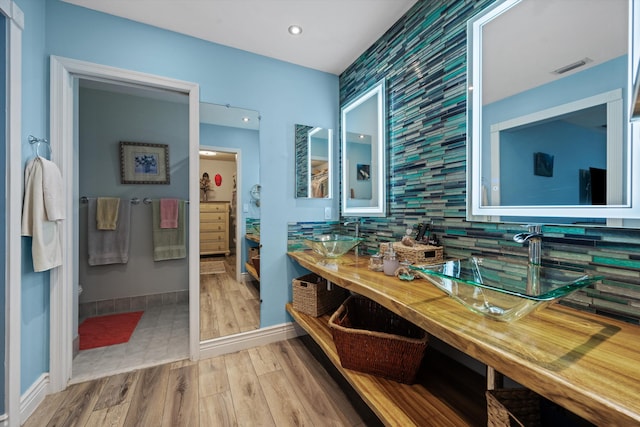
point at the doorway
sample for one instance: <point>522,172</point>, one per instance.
<point>65,74</point>
<point>119,278</point>
<point>229,304</point>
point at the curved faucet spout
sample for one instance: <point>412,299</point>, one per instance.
<point>523,237</point>
<point>534,237</point>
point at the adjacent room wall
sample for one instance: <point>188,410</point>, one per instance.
<point>227,171</point>
<point>106,118</point>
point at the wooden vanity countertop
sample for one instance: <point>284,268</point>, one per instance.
<point>252,237</point>
<point>587,363</point>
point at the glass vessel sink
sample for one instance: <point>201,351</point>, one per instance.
<point>332,245</point>
<point>503,290</point>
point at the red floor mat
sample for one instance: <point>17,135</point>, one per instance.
<point>107,330</point>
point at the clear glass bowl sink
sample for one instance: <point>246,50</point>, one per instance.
<point>332,245</point>
<point>503,290</point>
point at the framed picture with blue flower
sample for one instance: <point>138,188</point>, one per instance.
<point>143,163</point>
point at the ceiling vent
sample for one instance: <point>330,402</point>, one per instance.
<point>572,66</point>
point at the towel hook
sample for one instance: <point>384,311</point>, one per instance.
<point>35,142</point>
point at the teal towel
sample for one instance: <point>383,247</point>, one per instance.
<point>169,243</point>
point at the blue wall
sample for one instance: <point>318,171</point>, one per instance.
<point>572,147</point>
<point>592,81</point>
<point>283,93</point>
<point>35,286</point>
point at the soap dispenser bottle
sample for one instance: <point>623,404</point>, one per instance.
<point>390,262</point>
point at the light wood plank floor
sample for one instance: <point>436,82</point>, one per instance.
<point>279,384</point>
<point>227,307</point>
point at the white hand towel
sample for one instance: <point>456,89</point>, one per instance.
<point>53,190</point>
<point>46,250</point>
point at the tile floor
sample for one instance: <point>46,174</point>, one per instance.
<point>162,335</point>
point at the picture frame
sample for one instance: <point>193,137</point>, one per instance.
<point>543,164</point>
<point>363,172</point>
<point>144,163</point>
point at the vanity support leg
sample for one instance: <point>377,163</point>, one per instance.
<point>495,379</point>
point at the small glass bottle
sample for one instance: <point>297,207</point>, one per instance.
<point>390,262</point>
<point>375,262</point>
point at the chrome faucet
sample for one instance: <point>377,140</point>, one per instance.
<point>534,237</point>
<point>356,222</point>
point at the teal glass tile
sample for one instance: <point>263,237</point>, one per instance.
<point>423,59</point>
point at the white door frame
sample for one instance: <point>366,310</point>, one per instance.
<point>13,186</point>
<point>64,75</point>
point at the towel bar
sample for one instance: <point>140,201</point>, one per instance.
<point>134,200</point>
<point>85,199</point>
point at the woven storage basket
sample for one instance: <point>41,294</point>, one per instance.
<point>513,407</point>
<point>252,251</point>
<point>417,254</point>
<point>310,295</point>
<point>371,339</point>
<point>255,260</point>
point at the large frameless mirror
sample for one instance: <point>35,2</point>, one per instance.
<point>313,151</point>
<point>363,154</point>
<point>229,168</point>
<point>550,135</point>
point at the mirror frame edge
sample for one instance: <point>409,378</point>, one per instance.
<point>615,215</point>
<point>330,168</point>
<point>377,89</point>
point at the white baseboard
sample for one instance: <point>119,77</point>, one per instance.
<point>250,339</point>
<point>33,397</point>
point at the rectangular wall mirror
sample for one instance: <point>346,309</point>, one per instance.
<point>363,154</point>
<point>549,129</point>
<point>230,158</point>
<point>314,153</point>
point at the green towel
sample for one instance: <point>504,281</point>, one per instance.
<point>169,243</point>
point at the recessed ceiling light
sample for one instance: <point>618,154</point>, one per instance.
<point>246,119</point>
<point>295,30</point>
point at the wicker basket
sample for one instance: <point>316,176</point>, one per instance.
<point>417,254</point>
<point>371,339</point>
<point>310,295</point>
<point>513,407</point>
<point>255,260</point>
<point>252,251</point>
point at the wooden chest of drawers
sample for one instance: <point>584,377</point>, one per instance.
<point>214,228</point>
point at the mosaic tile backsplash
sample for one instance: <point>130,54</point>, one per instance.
<point>423,59</point>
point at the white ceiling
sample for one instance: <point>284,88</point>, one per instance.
<point>534,38</point>
<point>335,32</point>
